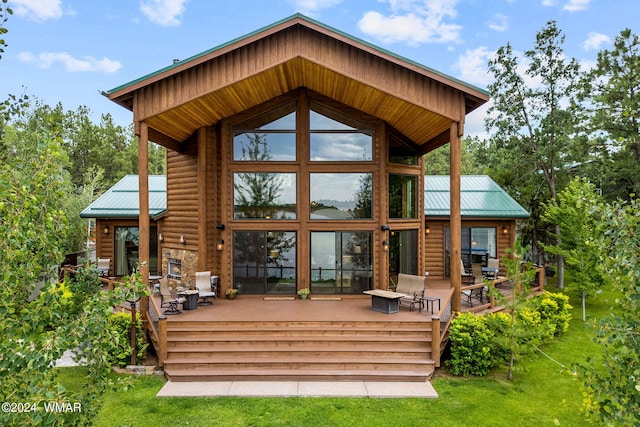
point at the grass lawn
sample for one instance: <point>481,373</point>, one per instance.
<point>541,394</point>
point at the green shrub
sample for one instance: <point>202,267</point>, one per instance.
<point>478,343</point>
<point>119,327</point>
<point>556,308</point>
<point>498,323</point>
<point>471,341</point>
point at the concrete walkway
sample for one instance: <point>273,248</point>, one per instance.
<point>298,389</point>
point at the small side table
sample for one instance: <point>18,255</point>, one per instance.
<point>191,302</point>
<point>431,300</point>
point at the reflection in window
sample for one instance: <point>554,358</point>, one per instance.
<point>270,137</point>
<point>403,191</point>
<point>401,153</point>
<point>478,244</point>
<point>264,195</point>
<point>341,262</point>
<point>333,140</point>
<point>264,262</point>
<point>341,195</point>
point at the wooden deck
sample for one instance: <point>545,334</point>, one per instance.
<point>251,338</point>
<point>325,338</point>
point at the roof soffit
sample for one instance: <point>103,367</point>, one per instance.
<point>293,54</point>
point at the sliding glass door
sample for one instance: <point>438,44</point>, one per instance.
<point>341,262</point>
<point>264,262</point>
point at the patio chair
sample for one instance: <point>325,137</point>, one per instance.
<point>203,285</point>
<point>413,287</point>
<point>104,267</point>
<point>476,279</point>
<point>493,264</point>
<point>467,277</point>
<point>168,299</point>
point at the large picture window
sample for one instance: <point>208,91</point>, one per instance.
<point>403,196</point>
<point>335,140</point>
<point>341,195</point>
<point>265,138</point>
<point>264,195</point>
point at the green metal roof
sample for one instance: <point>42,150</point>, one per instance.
<point>275,24</point>
<point>480,197</point>
<point>122,200</point>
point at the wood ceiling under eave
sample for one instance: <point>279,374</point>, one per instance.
<point>416,123</point>
<point>418,102</point>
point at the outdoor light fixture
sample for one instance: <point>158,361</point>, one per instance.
<point>385,245</point>
<point>505,230</point>
<point>160,237</point>
<point>384,227</point>
<point>182,240</point>
<point>220,245</point>
<point>105,229</point>
<point>132,299</point>
<point>427,230</point>
<point>220,226</point>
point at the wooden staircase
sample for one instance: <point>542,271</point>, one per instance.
<point>298,351</point>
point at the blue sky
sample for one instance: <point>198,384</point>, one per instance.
<point>69,51</point>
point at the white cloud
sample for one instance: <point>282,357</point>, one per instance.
<point>499,23</point>
<point>71,64</point>
<point>576,5</point>
<point>414,22</point>
<point>37,10</point>
<point>569,5</point>
<point>595,40</point>
<point>163,12</point>
<point>310,7</point>
<point>473,67</point>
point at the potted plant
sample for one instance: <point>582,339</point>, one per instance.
<point>304,293</point>
<point>231,293</point>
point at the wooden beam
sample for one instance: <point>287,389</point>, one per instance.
<point>436,142</point>
<point>164,140</point>
<point>455,221</point>
<point>143,187</point>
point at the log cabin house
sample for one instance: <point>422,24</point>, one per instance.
<point>294,156</point>
<point>488,215</point>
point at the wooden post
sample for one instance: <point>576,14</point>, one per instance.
<point>143,187</point>
<point>435,339</point>
<point>203,212</point>
<point>162,340</point>
<point>455,221</point>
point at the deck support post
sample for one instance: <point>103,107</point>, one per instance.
<point>435,340</point>
<point>455,221</point>
<point>143,187</point>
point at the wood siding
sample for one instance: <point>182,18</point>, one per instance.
<point>182,199</point>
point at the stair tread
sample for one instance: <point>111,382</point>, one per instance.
<point>354,360</point>
<point>309,338</point>
<point>307,349</point>
<point>294,372</point>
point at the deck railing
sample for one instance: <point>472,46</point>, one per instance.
<point>440,323</point>
<point>156,324</point>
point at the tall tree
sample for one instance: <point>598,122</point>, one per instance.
<point>530,125</point>
<point>612,381</point>
<point>436,162</point>
<point>575,211</point>
<point>612,94</point>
